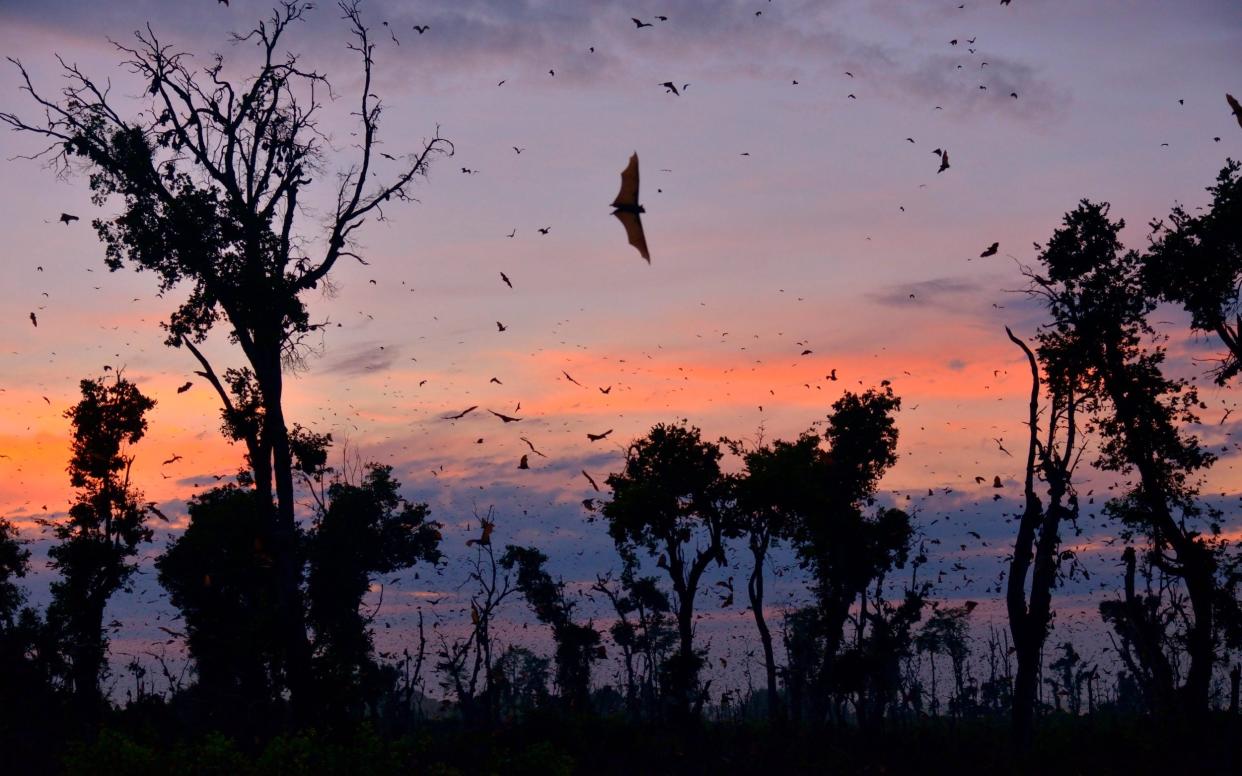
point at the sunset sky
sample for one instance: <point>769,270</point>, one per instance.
<point>833,233</point>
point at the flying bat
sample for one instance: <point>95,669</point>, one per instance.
<point>991,250</point>
<point>671,87</point>
<point>531,445</point>
<point>462,414</point>
<point>1235,106</point>
<point>66,218</point>
<point>628,211</point>
<point>505,418</point>
<point>591,480</point>
<point>944,159</point>
<point>597,437</point>
<point>184,388</point>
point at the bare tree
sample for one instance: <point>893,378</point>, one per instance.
<point>211,172</point>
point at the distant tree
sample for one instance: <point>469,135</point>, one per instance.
<point>521,683</point>
<point>212,173</point>
<point>365,529</point>
<point>1094,293</point>
<point>947,632</point>
<point>100,537</point>
<point>670,501</point>
<point>577,644</point>
<point>871,668</point>
<point>467,664</point>
<point>1051,457</point>
<point>1196,261</point>
<point>644,631</point>
<point>218,574</point>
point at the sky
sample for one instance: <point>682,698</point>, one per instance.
<point>793,203</point>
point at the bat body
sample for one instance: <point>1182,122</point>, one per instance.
<point>628,211</point>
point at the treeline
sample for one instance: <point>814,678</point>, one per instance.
<point>853,657</point>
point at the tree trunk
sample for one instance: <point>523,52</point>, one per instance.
<point>285,549</point>
<point>754,587</point>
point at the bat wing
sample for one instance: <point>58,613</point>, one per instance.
<point>628,195</point>
<point>1233,103</point>
<point>633,224</point>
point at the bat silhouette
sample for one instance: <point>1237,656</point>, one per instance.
<point>591,480</point>
<point>462,414</point>
<point>500,326</point>
<point>628,211</point>
<point>421,28</point>
<point>944,160</point>
<point>531,445</point>
<point>505,278</point>
<point>35,320</point>
<point>67,219</point>
<point>184,388</point>
<point>669,86</point>
<point>567,377</point>
<point>991,250</point>
<point>639,23</point>
<point>597,437</point>
<point>1235,106</point>
<point>524,463</point>
<point>505,418</point>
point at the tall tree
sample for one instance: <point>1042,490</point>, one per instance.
<point>211,173</point>
<point>577,645</point>
<point>670,501</point>
<point>844,547</point>
<point>100,537</point>
<point>1036,560</point>
<point>1094,294</point>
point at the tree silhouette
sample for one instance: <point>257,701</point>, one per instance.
<point>467,664</point>
<point>105,525</point>
<point>844,548</point>
<point>577,645</point>
<point>670,495</point>
<point>769,496</point>
<point>947,632</point>
<point>1196,261</point>
<point>211,173</point>
<point>1098,311</point>
<point>643,631</point>
<point>218,573</point>
<point>1050,460</point>
<point>365,529</point>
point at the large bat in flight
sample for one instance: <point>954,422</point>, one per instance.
<point>628,211</point>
